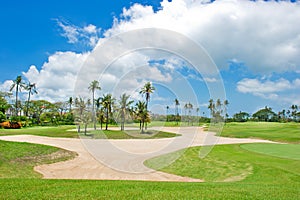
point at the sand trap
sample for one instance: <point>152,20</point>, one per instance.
<point>121,159</point>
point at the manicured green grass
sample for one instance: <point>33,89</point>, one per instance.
<point>128,134</point>
<point>18,159</point>
<point>279,132</point>
<point>233,163</point>
<point>49,131</point>
<point>290,151</point>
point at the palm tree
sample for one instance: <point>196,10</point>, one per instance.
<point>18,84</point>
<point>226,103</point>
<point>107,102</point>
<point>80,111</point>
<point>31,88</point>
<point>124,108</point>
<point>212,107</point>
<point>167,112</point>
<point>70,102</point>
<point>147,90</point>
<point>176,110</point>
<point>142,114</point>
<point>94,85</point>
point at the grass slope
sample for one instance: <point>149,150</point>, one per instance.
<point>279,132</point>
<point>18,159</point>
<point>233,163</point>
<point>49,131</point>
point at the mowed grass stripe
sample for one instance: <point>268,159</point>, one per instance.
<point>290,151</point>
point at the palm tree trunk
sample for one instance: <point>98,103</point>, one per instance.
<point>106,125</point>
<point>17,90</point>
<point>85,127</point>
<point>27,106</point>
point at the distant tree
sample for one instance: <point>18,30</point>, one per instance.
<point>294,112</point>
<point>31,88</point>
<point>167,107</point>
<point>38,107</point>
<point>211,107</point>
<point>70,102</point>
<point>18,84</point>
<point>265,114</point>
<point>81,114</point>
<point>177,104</point>
<point>124,108</point>
<point>226,103</point>
<point>189,108</point>
<point>147,90</point>
<point>94,85</point>
<point>241,116</point>
<point>142,114</point>
<point>107,103</point>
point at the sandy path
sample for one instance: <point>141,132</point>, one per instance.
<point>122,159</point>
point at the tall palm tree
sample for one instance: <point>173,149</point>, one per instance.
<point>18,84</point>
<point>70,102</point>
<point>94,85</point>
<point>31,88</point>
<point>147,90</point>
<point>211,107</point>
<point>176,110</point>
<point>167,112</point>
<point>80,111</point>
<point>142,114</point>
<point>107,103</point>
<point>124,108</point>
<point>225,103</point>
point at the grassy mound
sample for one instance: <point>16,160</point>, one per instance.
<point>18,159</point>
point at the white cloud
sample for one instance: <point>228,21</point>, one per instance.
<point>273,90</point>
<point>56,79</point>
<point>252,32</point>
<point>87,35</point>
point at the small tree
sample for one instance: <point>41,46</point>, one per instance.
<point>94,85</point>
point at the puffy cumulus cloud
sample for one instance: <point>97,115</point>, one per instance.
<point>274,90</point>
<point>264,35</point>
<point>86,35</point>
<point>55,81</point>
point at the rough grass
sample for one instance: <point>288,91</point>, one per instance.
<point>49,131</point>
<point>18,159</point>
<point>279,132</point>
<point>84,189</point>
<point>128,134</point>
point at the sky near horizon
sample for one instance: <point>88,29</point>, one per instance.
<point>255,46</point>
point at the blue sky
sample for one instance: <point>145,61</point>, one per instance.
<point>255,45</point>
